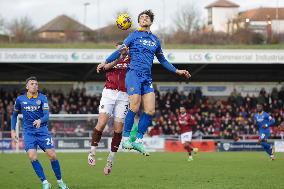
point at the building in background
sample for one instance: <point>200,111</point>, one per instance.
<point>219,13</point>
<point>224,16</point>
<point>63,28</point>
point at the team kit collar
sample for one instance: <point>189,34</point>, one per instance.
<point>29,95</point>
<point>143,30</point>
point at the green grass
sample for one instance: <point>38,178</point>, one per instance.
<point>160,170</point>
<point>89,45</point>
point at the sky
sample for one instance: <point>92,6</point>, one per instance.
<point>100,13</point>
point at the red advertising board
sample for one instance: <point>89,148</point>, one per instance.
<point>203,146</point>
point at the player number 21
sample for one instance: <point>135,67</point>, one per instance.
<point>49,141</point>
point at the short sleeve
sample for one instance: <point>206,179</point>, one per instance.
<point>17,106</point>
<point>44,103</point>
<point>129,39</point>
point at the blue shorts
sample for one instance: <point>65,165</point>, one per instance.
<point>34,139</point>
<point>264,135</point>
<point>138,83</point>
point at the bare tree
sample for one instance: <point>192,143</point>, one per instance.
<point>188,19</point>
<point>22,29</point>
<point>2,24</point>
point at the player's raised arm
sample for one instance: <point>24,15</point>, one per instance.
<point>116,54</point>
<point>161,58</point>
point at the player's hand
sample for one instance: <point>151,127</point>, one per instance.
<point>100,67</point>
<point>183,73</point>
<point>14,136</point>
<point>37,123</point>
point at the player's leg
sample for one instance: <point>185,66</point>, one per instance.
<point>266,146</point>
<point>133,85</point>
<point>56,167</point>
<point>105,111</point>
<point>32,154</point>
<point>115,142</point>
<point>45,142</point>
<point>145,121</point>
<point>119,113</point>
<point>186,141</point>
<point>30,147</point>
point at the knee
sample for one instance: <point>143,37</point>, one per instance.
<point>134,106</point>
<point>52,156</point>
<point>150,112</point>
<point>32,157</point>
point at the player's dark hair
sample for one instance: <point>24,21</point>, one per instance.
<point>149,13</point>
<point>31,78</point>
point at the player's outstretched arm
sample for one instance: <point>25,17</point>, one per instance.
<point>116,54</point>
<point>105,66</point>
<point>161,58</point>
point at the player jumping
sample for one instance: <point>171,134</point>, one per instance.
<point>264,121</point>
<point>143,46</point>
<point>114,102</point>
<point>34,107</point>
<point>185,122</point>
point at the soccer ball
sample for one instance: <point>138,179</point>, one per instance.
<point>123,21</point>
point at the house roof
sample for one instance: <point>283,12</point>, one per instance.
<point>63,22</point>
<point>222,3</point>
<point>263,14</point>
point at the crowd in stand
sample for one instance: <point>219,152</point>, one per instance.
<point>227,118</point>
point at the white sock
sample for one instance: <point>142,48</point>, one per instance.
<point>138,140</point>
<point>44,182</point>
<point>93,150</point>
<point>125,138</point>
<point>111,156</point>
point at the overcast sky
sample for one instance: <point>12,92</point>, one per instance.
<point>42,11</point>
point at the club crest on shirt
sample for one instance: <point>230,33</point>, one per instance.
<point>102,106</point>
<point>38,102</point>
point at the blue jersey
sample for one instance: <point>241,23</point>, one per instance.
<point>263,119</point>
<point>143,46</point>
<point>33,108</point>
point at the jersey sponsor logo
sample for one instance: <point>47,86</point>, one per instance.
<point>147,43</point>
<point>31,108</point>
<point>25,103</point>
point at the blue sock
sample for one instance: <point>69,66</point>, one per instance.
<point>144,122</point>
<point>267,147</point>
<point>56,168</point>
<point>129,120</point>
<point>39,170</point>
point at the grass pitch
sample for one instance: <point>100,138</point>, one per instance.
<point>248,170</point>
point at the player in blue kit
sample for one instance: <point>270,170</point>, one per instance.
<point>264,121</point>
<point>34,107</point>
<point>143,46</point>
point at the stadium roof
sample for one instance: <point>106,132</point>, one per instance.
<point>222,3</point>
<point>262,14</point>
<point>63,22</point>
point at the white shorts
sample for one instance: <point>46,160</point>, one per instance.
<point>186,137</point>
<point>114,103</point>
